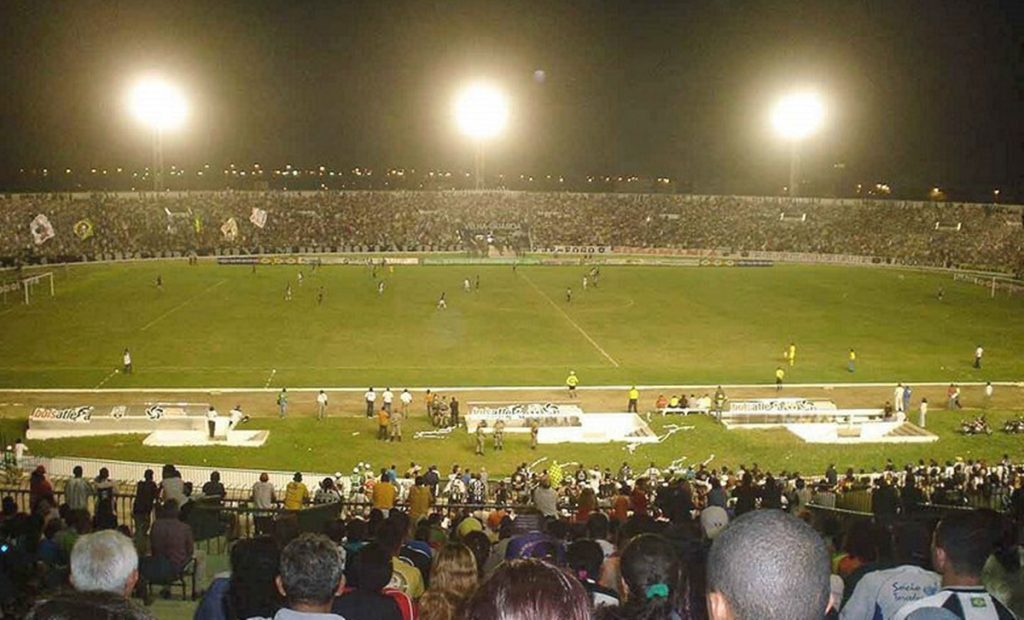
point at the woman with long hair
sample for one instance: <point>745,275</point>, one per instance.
<point>453,579</point>
<point>529,590</point>
<point>650,581</point>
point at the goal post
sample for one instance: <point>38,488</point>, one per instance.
<point>29,283</point>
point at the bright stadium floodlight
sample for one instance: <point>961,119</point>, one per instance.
<point>481,112</point>
<point>160,106</point>
<point>796,117</point>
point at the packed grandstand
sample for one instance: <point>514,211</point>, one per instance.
<point>78,227</point>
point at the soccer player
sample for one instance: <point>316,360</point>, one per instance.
<point>237,417</point>
<point>466,286</point>
<point>851,363</point>
<point>478,281</point>
<point>922,413</point>
<point>288,292</point>
<point>159,282</point>
<point>321,405</point>
<point>634,396</point>
<point>282,402</point>
<point>585,282</point>
<point>370,397</point>
<point>320,296</point>
<point>978,352</point>
<point>441,303</point>
<point>780,374</point>
<point>388,397</point>
<point>380,287</point>
<point>126,358</point>
<point>941,294</point>
<point>300,278</point>
<point>568,295</point>
<point>792,353</point>
<point>572,381</point>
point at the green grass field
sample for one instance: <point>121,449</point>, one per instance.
<point>225,326</point>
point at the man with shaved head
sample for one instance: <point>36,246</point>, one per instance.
<point>768,565</point>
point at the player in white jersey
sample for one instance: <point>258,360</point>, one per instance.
<point>465,285</point>
<point>380,287</point>
<point>441,303</point>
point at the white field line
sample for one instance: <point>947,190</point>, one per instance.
<point>571,322</point>
<point>183,304</point>
<point>499,388</point>
<point>270,378</point>
<point>107,378</point>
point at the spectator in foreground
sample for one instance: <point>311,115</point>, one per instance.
<point>650,578</point>
<point>453,579</point>
<point>87,605</point>
<point>961,546</point>
<point>310,577</point>
<point>248,590</point>
<point>881,593</point>
<point>529,590</point>
<point>366,594</point>
<point>104,562</point>
<point>768,565</point>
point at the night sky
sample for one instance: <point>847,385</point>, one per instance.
<point>919,93</point>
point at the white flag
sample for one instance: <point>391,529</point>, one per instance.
<point>258,217</point>
<point>229,229</point>
<point>41,229</point>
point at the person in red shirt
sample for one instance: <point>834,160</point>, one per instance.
<point>638,498</point>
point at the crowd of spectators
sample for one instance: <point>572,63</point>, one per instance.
<point>129,225</point>
<point>673,543</point>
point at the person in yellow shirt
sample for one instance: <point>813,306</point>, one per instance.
<point>673,402</point>
<point>851,363</point>
<point>384,493</point>
<point>382,424</point>
<point>634,396</point>
<point>792,353</point>
<point>419,500</point>
<point>780,374</point>
<point>296,494</point>
<point>572,381</point>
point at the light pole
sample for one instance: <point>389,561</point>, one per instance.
<point>481,112</point>
<point>795,117</point>
<point>160,106</point>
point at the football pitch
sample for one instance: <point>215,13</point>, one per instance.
<point>212,326</point>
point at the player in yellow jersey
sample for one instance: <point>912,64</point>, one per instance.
<point>572,381</point>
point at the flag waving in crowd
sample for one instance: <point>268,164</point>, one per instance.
<point>258,217</point>
<point>83,229</point>
<point>229,229</point>
<point>41,229</point>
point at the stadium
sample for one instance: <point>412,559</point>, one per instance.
<point>451,349</point>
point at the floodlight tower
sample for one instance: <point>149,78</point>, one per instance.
<point>160,106</point>
<point>481,112</point>
<point>795,117</point>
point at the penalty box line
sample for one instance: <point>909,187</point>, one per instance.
<point>571,322</point>
<point>182,304</point>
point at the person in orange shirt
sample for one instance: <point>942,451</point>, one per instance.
<point>620,505</point>
<point>382,424</point>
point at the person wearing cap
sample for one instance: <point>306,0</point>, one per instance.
<point>713,520</point>
<point>296,494</point>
